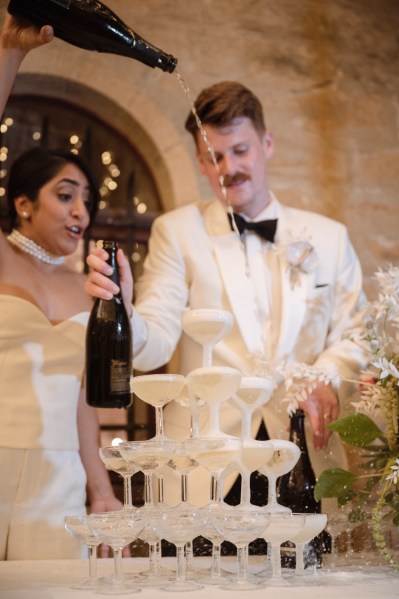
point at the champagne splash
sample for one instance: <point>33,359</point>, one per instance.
<point>209,146</point>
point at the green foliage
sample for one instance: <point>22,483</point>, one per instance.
<point>357,429</point>
<point>335,482</point>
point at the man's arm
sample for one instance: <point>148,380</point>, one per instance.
<point>341,356</point>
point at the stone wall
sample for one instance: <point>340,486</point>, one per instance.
<point>327,72</point>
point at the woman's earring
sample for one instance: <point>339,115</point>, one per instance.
<point>25,214</point>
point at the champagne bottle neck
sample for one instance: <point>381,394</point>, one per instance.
<point>111,248</point>
<point>297,430</point>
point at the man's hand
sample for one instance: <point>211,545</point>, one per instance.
<point>322,407</point>
<point>17,34</point>
<point>99,285</point>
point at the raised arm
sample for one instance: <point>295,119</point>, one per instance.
<point>16,40</point>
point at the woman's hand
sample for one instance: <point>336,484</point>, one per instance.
<point>99,285</point>
<point>18,34</point>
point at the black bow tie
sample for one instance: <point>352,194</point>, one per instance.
<point>264,228</point>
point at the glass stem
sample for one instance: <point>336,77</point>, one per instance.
<point>180,563</point>
<point>246,424</point>
<point>92,563</point>
<point>184,487</point>
<point>245,498</point>
<point>215,489</point>
<point>117,564</point>
<point>215,568</point>
<point>207,355</point>
<point>194,420</point>
<point>276,559</point>
<point>214,425</point>
<point>148,498</point>
<point>159,432</point>
<point>161,489</point>
<point>189,554</point>
<point>241,563</point>
<point>127,491</point>
<point>272,496</point>
<point>299,562</point>
<point>153,559</point>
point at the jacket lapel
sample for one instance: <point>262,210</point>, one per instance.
<point>293,297</point>
<point>230,258</point>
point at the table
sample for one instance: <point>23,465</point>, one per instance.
<point>52,579</point>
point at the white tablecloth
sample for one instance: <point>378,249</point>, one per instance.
<point>53,579</point>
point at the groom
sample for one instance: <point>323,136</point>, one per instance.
<point>294,288</point>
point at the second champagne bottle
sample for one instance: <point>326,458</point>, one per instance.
<point>109,347</point>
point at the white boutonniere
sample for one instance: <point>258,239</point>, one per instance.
<point>301,257</point>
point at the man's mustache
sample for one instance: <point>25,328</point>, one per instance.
<point>229,180</point>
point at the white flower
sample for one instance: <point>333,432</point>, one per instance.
<point>394,476</point>
<point>301,257</point>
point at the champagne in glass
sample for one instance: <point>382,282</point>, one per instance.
<point>214,385</point>
<point>157,390</point>
<point>207,326</point>
<point>285,456</point>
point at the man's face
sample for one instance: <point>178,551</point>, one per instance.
<point>241,154</point>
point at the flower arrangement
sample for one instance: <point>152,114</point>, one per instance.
<point>372,427</point>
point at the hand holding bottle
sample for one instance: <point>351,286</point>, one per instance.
<point>17,34</point>
<point>16,40</point>
<point>98,284</point>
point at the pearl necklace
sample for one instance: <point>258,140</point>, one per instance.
<point>30,247</point>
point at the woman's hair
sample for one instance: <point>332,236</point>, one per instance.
<point>34,168</point>
<point>223,102</point>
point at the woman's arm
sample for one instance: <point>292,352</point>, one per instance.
<point>16,40</point>
<point>99,489</point>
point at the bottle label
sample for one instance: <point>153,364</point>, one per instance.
<point>120,376</point>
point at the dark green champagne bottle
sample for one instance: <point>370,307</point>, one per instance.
<point>109,348</point>
<point>296,491</point>
<point>91,25</point>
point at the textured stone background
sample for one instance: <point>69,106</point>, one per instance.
<point>327,72</point>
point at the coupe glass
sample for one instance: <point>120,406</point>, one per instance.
<point>215,455</point>
<point>207,326</point>
<point>252,393</point>
<point>241,525</point>
<point>253,455</point>
<point>77,527</point>
<point>184,464</point>
<point>285,456</point>
<point>194,404</point>
<point>282,527</point>
<point>117,529</point>
<point>314,524</point>
<point>213,385</point>
<point>113,460</point>
<point>178,526</point>
<point>148,456</point>
<point>157,390</point>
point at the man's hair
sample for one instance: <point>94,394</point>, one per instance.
<point>223,102</point>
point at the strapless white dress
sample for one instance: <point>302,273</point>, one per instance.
<point>43,479</point>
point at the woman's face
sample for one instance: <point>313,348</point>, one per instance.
<point>60,215</point>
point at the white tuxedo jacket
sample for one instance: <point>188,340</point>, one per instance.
<point>196,261</point>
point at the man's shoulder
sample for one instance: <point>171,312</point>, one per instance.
<point>310,218</point>
<point>191,212</point>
